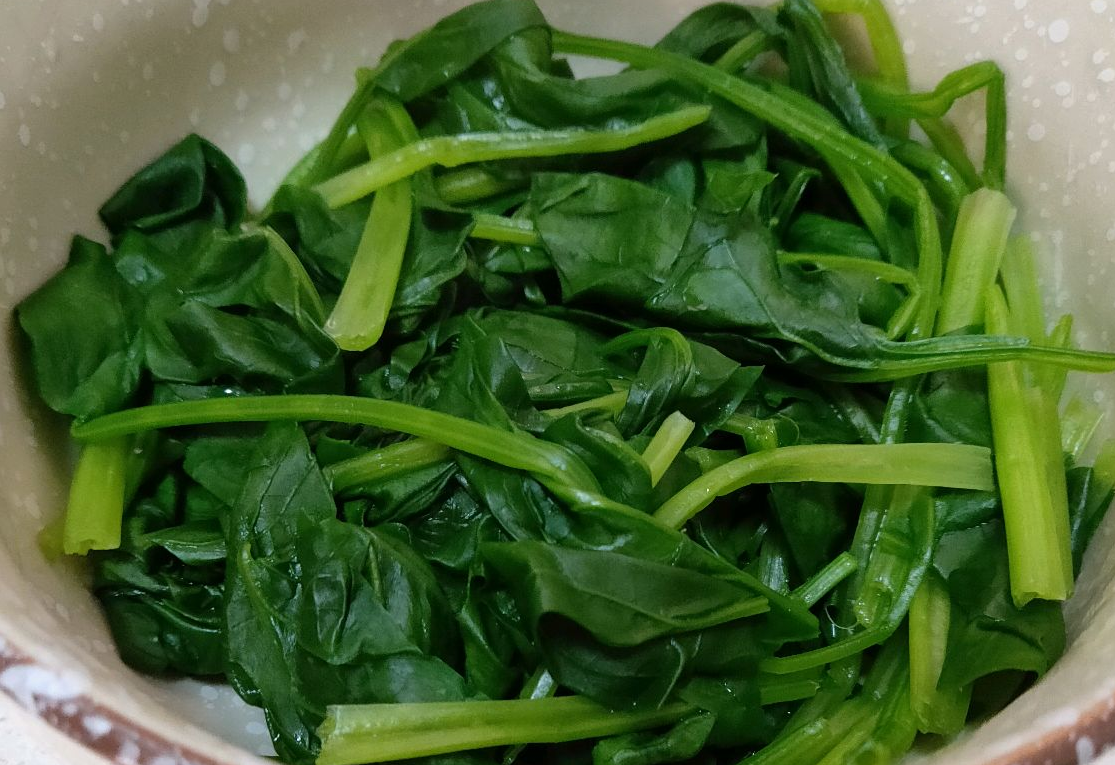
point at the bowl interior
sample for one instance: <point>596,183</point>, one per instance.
<point>92,89</point>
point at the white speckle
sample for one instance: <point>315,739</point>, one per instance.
<point>242,100</point>
<point>50,49</point>
<point>231,40</point>
<point>217,74</point>
<point>128,753</point>
<point>284,91</point>
<point>194,116</point>
<point>1036,132</point>
<point>1021,54</point>
<point>908,47</point>
<point>255,728</point>
<point>1085,750</point>
<point>2,100</point>
<point>96,726</point>
<point>31,685</point>
<point>125,136</point>
<point>1063,88</point>
<point>25,135</point>
<point>1098,6</point>
<point>98,22</point>
<point>1099,56</point>
<point>246,154</point>
<point>1107,75</point>
<point>1058,31</point>
<point>78,38</point>
<point>201,13</point>
<point>148,71</point>
<point>295,39</point>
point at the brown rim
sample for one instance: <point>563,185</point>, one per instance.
<point>102,730</point>
<point>1092,734</point>
<point>119,739</point>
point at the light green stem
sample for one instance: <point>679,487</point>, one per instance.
<point>455,150</point>
<point>514,450</point>
<point>95,509</point>
<point>978,244</point>
<point>667,443</point>
<point>373,733</point>
<point>825,580</point>
<point>497,228</point>
<point>1031,480</point>
<point>958,466</point>
<point>471,184</point>
<point>388,462</point>
<point>361,312</point>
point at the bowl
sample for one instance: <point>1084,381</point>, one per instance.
<point>90,90</point>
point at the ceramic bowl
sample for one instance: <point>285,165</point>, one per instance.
<point>92,89</point>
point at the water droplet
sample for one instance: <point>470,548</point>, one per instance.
<point>231,40</point>
<point>217,74</point>
<point>98,22</point>
<point>1058,31</point>
<point>201,13</point>
<point>1036,132</point>
<point>295,39</point>
<point>1107,75</point>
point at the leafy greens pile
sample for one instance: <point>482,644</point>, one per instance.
<point>630,419</point>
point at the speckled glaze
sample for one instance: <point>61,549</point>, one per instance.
<point>92,89</point>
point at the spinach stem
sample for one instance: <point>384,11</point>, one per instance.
<point>1031,476</point>
<point>978,244</point>
<point>937,710</point>
<point>959,466</point>
<point>95,510</point>
<point>466,185</point>
<point>743,51</point>
<point>667,443</point>
<point>498,228</point>
<point>455,150</point>
<point>388,462</point>
<point>514,450</point>
<point>758,434</point>
<point>1019,278</point>
<point>540,685</point>
<point>841,649</point>
<point>900,556</point>
<point>886,100</point>
<point>360,314</point>
<point>827,579</point>
<point>370,733</point>
<point>611,403</point>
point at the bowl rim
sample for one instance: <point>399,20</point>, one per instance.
<point>102,730</point>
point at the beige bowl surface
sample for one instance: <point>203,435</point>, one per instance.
<point>92,89</point>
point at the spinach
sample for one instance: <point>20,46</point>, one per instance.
<point>631,419</point>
